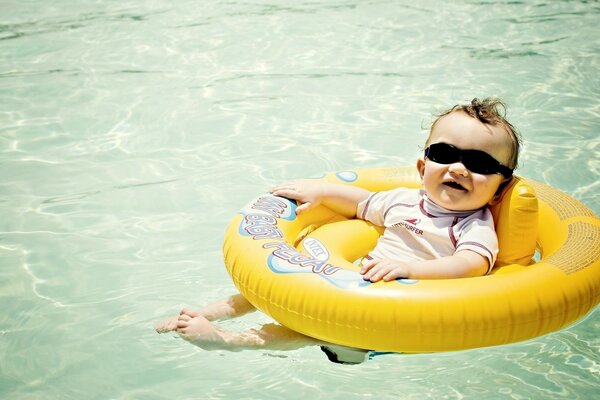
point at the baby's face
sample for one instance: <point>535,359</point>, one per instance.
<point>453,186</point>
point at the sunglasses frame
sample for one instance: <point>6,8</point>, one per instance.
<point>468,157</point>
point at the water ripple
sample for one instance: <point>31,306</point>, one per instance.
<point>130,134</point>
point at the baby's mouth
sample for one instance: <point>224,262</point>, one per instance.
<point>455,185</point>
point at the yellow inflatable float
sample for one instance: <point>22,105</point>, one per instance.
<point>302,271</point>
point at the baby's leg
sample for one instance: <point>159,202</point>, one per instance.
<point>199,331</point>
<point>229,307</point>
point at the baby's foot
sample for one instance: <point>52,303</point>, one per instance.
<point>190,312</point>
<point>167,325</point>
<point>170,324</point>
<point>199,331</point>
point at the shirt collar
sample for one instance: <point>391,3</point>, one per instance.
<point>429,208</point>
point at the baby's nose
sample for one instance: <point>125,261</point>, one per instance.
<point>458,168</point>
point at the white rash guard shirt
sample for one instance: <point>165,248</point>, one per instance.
<point>418,229</point>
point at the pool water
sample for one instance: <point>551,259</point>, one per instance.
<point>131,132</point>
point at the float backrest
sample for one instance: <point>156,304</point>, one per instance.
<point>516,219</point>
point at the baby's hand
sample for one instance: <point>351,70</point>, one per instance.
<point>307,192</point>
<point>377,269</point>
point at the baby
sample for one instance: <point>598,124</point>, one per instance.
<point>443,230</point>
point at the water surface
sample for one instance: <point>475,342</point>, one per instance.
<point>130,132</point>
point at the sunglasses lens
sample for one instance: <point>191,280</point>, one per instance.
<point>480,162</point>
<point>443,153</point>
<point>476,161</point>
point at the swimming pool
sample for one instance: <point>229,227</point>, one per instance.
<point>130,132</point>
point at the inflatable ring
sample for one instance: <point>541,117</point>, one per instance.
<point>302,271</point>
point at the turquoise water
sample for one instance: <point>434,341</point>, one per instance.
<point>130,132</point>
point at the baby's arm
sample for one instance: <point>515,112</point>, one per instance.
<point>462,264</point>
<point>342,199</point>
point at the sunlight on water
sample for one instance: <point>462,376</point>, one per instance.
<point>131,132</point>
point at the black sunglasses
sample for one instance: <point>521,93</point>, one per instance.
<point>476,161</point>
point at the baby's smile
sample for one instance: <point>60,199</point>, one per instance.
<point>455,185</point>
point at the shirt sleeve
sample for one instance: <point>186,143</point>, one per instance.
<point>376,206</point>
<point>365,209</point>
<point>477,234</point>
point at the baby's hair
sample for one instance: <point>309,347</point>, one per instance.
<point>491,111</point>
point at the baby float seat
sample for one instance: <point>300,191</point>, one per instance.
<point>301,270</point>
<point>516,217</point>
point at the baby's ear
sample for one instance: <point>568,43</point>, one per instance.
<point>502,188</point>
<point>421,166</point>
